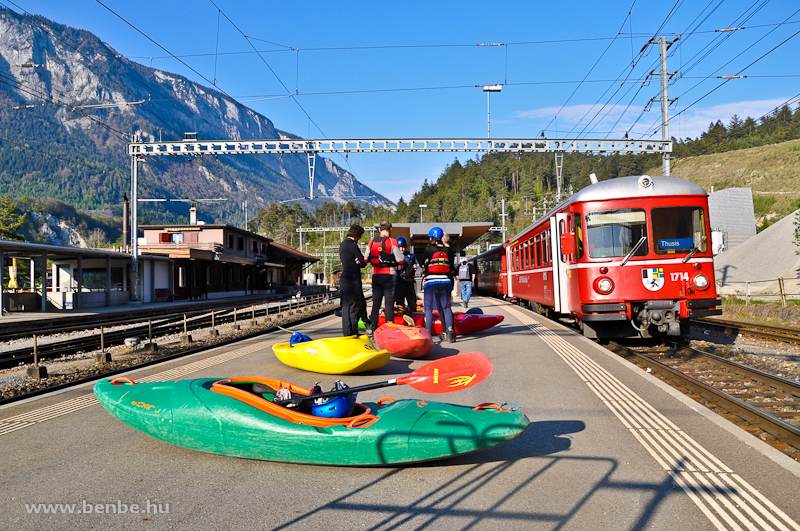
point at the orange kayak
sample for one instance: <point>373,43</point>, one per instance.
<point>403,341</point>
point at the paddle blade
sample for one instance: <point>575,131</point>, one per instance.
<point>450,374</point>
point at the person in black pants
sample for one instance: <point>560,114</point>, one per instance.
<point>404,293</point>
<point>384,255</point>
<point>354,306</point>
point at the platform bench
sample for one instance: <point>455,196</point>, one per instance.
<point>164,295</point>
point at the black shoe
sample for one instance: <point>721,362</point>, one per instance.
<point>451,336</point>
<point>466,304</point>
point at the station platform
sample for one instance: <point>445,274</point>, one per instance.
<point>609,447</point>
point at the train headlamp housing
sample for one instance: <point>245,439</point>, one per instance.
<point>700,281</point>
<point>604,285</point>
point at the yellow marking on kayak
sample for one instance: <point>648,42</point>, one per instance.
<point>143,405</point>
<point>436,376</point>
<point>461,380</point>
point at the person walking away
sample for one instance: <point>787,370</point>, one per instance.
<point>384,255</point>
<point>354,306</point>
<point>405,294</point>
<point>466,277</point>
<point>438,263</point>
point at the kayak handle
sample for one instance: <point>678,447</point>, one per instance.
<point>122,379</point>
<point>364,420</point>
<point>488,405</point>
<point>385,401</point>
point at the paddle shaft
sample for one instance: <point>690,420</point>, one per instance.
<point>349,390</point>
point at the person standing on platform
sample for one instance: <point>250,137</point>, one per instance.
<point>405,294</point>
<point>354,306</point>
<point>385,256</point>
<point>438,262</point>
<point>466,277</point>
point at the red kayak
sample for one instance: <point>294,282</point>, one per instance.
<point>464,323</point>
<point>403,341</point>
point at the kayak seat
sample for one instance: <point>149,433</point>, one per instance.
<point>264,391</point>
<point>247,389</point>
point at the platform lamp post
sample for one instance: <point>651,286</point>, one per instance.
<point>420,212</point>
<point>488,89</point>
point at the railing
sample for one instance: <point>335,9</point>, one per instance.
<point>771,289</point>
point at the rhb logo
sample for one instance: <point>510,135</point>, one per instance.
<point>653,278</point>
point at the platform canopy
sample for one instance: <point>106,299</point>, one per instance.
<point>461,234</point>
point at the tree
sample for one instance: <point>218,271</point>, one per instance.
<point>10,221</point>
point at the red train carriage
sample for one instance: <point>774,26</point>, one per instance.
<point>628,257</point>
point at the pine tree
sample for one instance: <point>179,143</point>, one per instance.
<point>10,221</point>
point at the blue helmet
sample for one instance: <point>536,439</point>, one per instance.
<point>436,233</point>
<point>402,242</point>
<point>334,408</point>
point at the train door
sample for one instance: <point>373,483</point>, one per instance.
<point>559,224</point>
<point>508,257</point>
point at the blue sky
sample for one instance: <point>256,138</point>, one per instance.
<point>414,69</point>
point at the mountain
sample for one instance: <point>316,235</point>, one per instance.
<point>54,144</point>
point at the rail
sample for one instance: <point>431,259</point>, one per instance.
<point>762,331</point>
<point>761,388</point>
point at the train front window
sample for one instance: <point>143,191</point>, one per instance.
<point>613,233</point>
<point>679,229</point>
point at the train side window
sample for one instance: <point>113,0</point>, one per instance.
<point>548,257</point>
<point>538,240</point>
<point>560,233</point>
<point>578,229</point>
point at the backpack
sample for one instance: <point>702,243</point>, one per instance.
<point>380,252</point>
<point>463,272</point>
<point>407,269</point>
<point>439,264</point>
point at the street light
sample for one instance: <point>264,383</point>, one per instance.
<point>420,212</point>
<point>488,89</point>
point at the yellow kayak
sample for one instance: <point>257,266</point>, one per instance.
<point>335,355</point>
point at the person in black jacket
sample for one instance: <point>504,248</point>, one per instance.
<point>354,306</point>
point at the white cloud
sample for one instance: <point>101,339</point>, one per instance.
<point>696,120</point>
<point>572,119</point>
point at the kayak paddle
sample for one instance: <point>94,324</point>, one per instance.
<point>445,375</point>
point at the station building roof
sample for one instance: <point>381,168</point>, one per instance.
<point>461,234</point>
<point>27,250</point>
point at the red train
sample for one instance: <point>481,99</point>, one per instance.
<point>627,257</point>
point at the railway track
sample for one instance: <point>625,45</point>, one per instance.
<point>764,401</point>
<point>176,323</point>
<point>761,331</point>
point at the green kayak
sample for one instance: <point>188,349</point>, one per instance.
<point>236,417</point>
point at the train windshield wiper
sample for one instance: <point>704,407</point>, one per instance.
<point>635,248</point>
<point>696,249</point>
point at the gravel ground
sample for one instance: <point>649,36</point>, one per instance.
<point>776,358</point>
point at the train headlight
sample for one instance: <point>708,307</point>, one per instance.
<point>604,285</point>
<point>700,281</point>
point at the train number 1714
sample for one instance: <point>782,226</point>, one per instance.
<point>675,277</point>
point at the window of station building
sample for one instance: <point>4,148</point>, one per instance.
<point>613,233</point>
<point>578,230</point>
<point>181,277</point>
<point>255,247</point>
<point>208,275</point>
<point>679,229</point>
<point>240,243</point>
<point>176,237</point>
<point>230,241</point>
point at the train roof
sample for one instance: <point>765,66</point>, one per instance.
<point>623,188</point>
